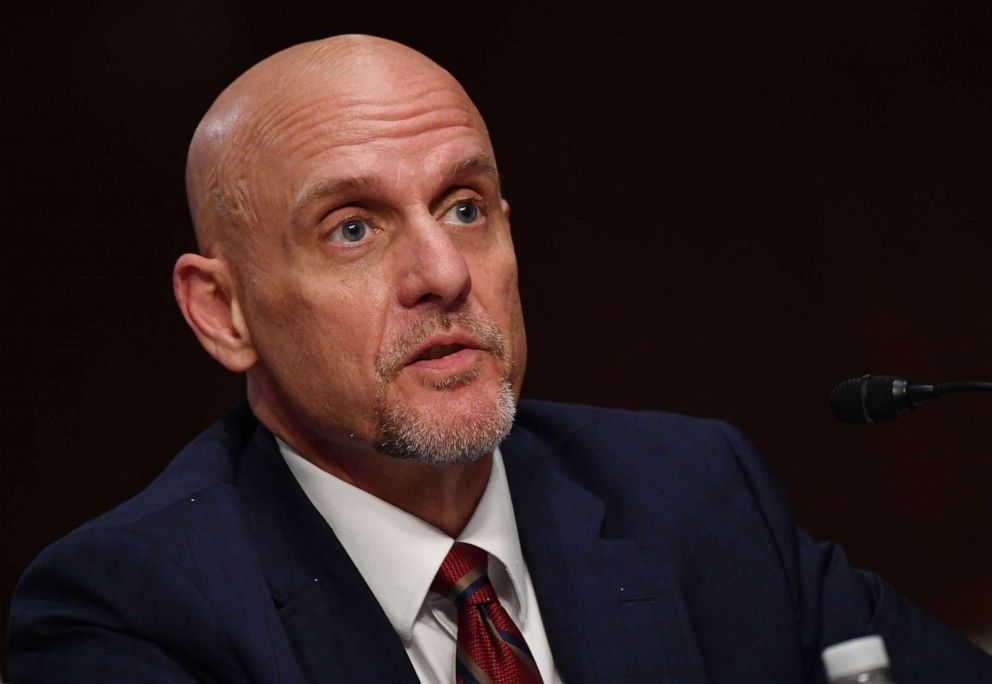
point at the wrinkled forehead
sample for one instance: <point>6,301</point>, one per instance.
<point>389,129</point>
<point>322,116</point>
<point>297,109</point>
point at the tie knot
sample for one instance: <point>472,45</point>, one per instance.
<point>463,576</point>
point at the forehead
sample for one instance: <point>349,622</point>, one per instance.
<point>388,128</point>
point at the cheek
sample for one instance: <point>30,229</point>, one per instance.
<point>518,335</point>
<point>505,276</point>
<point>497,289</point>
<point>318,336</point>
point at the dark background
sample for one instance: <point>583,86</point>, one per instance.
<point>722,211</point>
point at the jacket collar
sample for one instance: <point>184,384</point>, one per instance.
<point>604,601</point>
<point>327,610</point>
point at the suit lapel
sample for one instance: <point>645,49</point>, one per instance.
<point>611,608</point>
<point>329,614</point>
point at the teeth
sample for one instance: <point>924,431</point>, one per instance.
<point>439,350</point>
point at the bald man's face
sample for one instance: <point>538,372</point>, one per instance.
<point>380,284</point>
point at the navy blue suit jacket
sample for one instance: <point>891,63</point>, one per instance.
<point>660,548</point>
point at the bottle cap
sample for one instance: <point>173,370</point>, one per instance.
<point>854,657</point>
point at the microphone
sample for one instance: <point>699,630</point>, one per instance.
<point>877,398</point>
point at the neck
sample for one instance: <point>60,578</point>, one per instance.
<point>443,496</point>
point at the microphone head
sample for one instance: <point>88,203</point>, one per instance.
<point>870,399</point>
<point>845,401</point>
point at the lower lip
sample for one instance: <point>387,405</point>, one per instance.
<point>461,361</point>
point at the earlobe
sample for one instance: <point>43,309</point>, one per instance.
<point>206,296</point>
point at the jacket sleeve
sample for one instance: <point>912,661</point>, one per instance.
<point>835,602</point>
<point>107,605</point>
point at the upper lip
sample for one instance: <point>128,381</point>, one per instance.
<point>453,339</point>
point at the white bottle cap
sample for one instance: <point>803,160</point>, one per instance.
<point>854,657</point>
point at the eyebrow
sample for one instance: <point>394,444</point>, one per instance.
<point>331,187</point>
<point>481,163</point>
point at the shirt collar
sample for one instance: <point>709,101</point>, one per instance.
<point>381,538</point>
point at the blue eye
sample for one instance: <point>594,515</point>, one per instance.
<point>352,230</point>
<point>463,212</point>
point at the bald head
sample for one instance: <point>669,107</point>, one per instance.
<point>247,124</point>
<point>349,216</point>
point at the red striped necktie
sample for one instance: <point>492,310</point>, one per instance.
<point>491,650</point>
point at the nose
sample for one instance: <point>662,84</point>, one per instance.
<point>433,269</point>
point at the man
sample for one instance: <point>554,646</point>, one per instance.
<point>367,517</point>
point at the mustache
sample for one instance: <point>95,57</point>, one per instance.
<point>485,333</point>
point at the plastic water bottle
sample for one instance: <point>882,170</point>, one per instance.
<point>858,661</point>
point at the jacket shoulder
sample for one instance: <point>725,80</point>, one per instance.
<point>209,461</point>
<point>166,518</point>
<point>558,423</point>
<point>153,576</point>
<point>650,468</point>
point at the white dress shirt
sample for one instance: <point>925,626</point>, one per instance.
<point>399,554</point>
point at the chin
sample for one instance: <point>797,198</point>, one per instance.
<point>452,425</point>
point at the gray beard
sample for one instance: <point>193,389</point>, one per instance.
<point>430,440</point>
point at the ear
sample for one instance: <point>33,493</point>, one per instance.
<point>205,292</point>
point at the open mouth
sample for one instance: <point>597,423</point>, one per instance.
<point>438,351</point>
